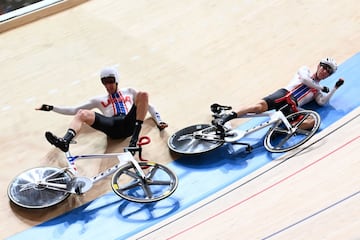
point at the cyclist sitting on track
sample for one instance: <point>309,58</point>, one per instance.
<point>123,112</point>
<point>304,88</point>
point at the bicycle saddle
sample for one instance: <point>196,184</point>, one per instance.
<point>217,108</point>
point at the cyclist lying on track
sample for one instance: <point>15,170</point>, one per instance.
<point>304,88</point>
<point>123,112</point>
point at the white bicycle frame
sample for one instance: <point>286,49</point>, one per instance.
<point>124,158</point>
<point>274,117</point>
<point>234,135</point>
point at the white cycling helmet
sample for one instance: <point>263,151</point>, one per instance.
<point>329,62</point>
<point>109,72</point>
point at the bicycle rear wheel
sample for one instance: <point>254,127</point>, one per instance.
<point>26,191</point>
<point>160,182</point>
<point>184,141</point>
<point>279,139</point>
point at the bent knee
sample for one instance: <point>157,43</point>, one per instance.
<point>142,97</point>
<point>261,107</point>
<point>85,115</point>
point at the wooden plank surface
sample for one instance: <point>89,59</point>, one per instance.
<point>186,54</point>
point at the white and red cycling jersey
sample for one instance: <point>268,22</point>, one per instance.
<point>305,89</point>
<point>116,104</point>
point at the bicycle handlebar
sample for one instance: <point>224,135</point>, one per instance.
<point>144,140</point>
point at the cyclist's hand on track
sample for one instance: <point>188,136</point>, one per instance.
<point>162,125</point>
<point>339,83</point>
<point>45,107</point>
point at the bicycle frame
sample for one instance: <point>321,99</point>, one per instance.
<point>274,117</point>
<point>285,132</point>
<point>124,158</point>
<point>136,180</point>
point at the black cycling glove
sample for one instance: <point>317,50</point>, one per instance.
<point>46,107</point>
<point>339,83</point>
<point>325,89</point>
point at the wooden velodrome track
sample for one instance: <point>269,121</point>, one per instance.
<point>187,55</point>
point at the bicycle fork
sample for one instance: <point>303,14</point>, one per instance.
<point>281,116</point>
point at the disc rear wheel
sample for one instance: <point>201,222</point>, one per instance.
<point>29,191</point>
<point>185,141</point>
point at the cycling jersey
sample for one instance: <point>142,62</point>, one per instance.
<point>303,88</point>
<point>118,112</point>
<point>117,104</point>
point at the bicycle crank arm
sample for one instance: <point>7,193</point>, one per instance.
<point>199,135</point>
<point>234,135</point>
<point>186,137</point>
<point>52,185</point>
<point>79,185</point>
<point>208,137</point>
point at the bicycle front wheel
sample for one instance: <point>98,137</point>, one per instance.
<point>159,182</point>
<point>304,125</point>
<point>26,191</point>
<point>185,142</point>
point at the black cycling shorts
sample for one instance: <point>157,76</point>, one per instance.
<point>117,126</point>
<point>272,104</point>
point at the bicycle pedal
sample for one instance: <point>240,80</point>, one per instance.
<point>217,108</point>
<point>78,190</point>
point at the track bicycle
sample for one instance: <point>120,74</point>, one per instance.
<point>284,132</point>
<point>136,181</point>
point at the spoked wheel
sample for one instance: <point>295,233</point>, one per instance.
<point>304,125</point>
<point>160,182</point>
<point>185,142</point>
<point>26,190</point>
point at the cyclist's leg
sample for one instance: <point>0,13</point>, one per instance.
<point>259,107</point>
<point>82,116</point>
<point>115,127</point>
<point>142,105</point>
<point>307,123</point>
<point>265,104</point>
